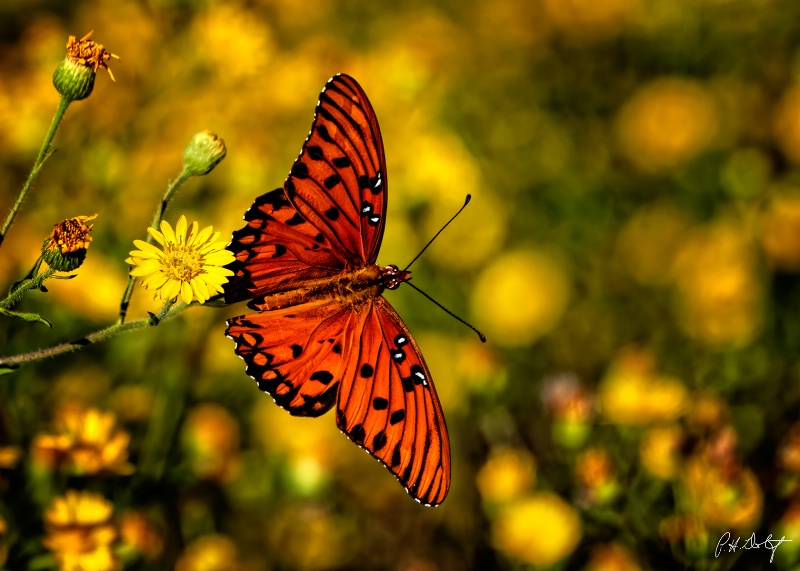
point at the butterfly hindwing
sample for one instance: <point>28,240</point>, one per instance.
<point>277,250</point>
<point>295,354</point>
<point>388,404</point>
<point>338,183</point>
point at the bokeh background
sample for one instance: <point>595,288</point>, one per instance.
<point>632,254</point>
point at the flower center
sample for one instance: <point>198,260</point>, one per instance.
<point>182,263</point>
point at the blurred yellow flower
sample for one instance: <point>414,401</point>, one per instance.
<point>138,533</point>
<point>507,473</point>
<point>520,297</point>
<point>9,456</point>
<point>85,441</point>
<point>211,440</point>
<point>650,242</point>
<point>310,537</point>
<point>719,500</point>
<point>611,557</point>
<point>786,123</point>
<point>659,451</point>
<point>80,532</point>
<point>707,412</point>
<point>779,229</point>
<point>633,393</point>
<point>720,296</point>
<point>209,553</point>
<point>587,20</point>
<point>596,477</point>
<point>789,452</point>
<point>667,123</point>
<point>539,529</point>
<point>190,267</point>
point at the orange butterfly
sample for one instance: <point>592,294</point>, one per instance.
<point>323,332</point>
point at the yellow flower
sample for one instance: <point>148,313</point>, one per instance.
<point>138,533</point>
<point>720,501</point>
<point>85,441</point>
<point>659,451</point>
<point>611,557</point>
<point>506,474</point>
<point>540,529</point>
<point>209,553</point>
<point>80,532</point>
<point>632,393</point>
<point>595,474</point>
<point>89,53</point>
<point>190,266</point>
<point>211,439</point>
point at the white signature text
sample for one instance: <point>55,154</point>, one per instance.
<point>750,543</point>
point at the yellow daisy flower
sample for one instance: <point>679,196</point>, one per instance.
<point>190,266</point>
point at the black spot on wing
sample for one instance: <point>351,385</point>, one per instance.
<point>332,213</point>
<point>379,441</point>
<point>323,377</point>
<point>380,403</point>
<point>341,162</point>
<point>397,416</point>
<point>366,371</point>
<point>332,181</point>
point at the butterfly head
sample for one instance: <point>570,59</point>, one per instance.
<point>392,276</point>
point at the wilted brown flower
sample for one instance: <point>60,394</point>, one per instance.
<point>89,53</point>
<point>65,249</point>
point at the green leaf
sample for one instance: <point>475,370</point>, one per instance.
<point>60,277</point>
<point>154,320</point>
<point>29,317</point>
<point>5,369</point>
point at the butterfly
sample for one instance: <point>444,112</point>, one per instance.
<point>323,334</point>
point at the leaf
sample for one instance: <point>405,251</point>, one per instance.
<point>60,277</point>
<point>6,369</point>
<point>29,317</point>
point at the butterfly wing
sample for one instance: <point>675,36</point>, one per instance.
<point>388,404</point>
<point>295,354</point>
<point>276,250</point>
<point>338,183</point>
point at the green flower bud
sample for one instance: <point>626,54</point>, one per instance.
<point>65,249</point>
<point>74,76</point>
<point>203,153</point>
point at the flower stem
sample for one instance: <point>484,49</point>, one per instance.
<point>26,286</point>
<point>159,215</point>
<point>37,165</point>
<point>166,312</point>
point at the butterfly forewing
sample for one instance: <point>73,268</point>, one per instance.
<point>295,354</point>
<point>277,250</point>
<point>388,404</point>
<point>338,182</point>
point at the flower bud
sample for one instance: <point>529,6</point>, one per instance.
<point>65,249</point>
<point>74,76</point>
<point>203,153</point>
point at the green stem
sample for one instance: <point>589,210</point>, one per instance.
<point>26,286</point>
<point>37,165</point>
<point>166,312</point>
<point>159,215</point>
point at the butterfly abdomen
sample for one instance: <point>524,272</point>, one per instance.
<point>353,287</point>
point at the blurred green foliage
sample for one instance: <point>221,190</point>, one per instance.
<point>632,253</point>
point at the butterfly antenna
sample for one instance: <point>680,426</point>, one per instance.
<point>469,197</point>
<point>447,311</point>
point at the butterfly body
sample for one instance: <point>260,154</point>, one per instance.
<point>323,335</point>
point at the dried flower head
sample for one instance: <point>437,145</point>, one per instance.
<point>74,76</point>
<point>65,249</point>
<point>89,53</point>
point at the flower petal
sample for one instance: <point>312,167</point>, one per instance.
<point>180,230</point>
<point>157,236</point>
<point>186,292</point>
<point>145,247</point>
<point>169,234</point>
